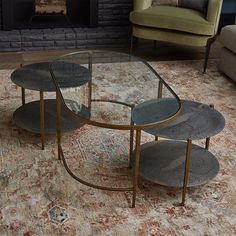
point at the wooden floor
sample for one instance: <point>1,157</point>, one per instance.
<point>144,49</point>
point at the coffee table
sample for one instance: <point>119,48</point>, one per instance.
<point>40,116</point>
<point>167,162</point>
<point>119,83</point>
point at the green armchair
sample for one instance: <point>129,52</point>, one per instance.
<point>176,24</point>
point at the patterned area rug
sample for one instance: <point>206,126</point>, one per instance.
<point>38,197</point>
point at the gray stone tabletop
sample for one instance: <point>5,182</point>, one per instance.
<point>163,163</point>
<point>194,121</point>
<point>37,76</point>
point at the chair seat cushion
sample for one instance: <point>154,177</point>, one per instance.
<point>173,18</point>
<point>227,63</point>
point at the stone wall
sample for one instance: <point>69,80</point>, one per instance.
<point>114,12</point>
<point>113,31</point>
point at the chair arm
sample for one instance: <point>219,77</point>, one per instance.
<point>213,12</point>
<point>142,4</point>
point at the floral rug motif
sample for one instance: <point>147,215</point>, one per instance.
<point>38,197</point>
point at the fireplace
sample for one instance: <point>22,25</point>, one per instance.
<point>33,14</point>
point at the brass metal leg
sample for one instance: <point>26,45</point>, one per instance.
<point>90,93</point>
<point>131,140</point>
<point>58,101</point>
<point>160,89</point>
<point>23,96</point>
<point>131,146</point>
<point>136,169</point>
<point>207,143</point>
<point>208,139</point>
<point>42,121</point>
<point>159,95</point>
<point>186,171</point>
<point>90,66</point>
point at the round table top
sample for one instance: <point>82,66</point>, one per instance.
<point>163,163</point>
<point>37,76</point>
<point>194,121</point>
<point>119,82</point>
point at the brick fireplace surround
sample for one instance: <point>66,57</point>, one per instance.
<point>112,31</point>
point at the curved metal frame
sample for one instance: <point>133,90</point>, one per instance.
<point>132,127</point>
<point>115,126</point>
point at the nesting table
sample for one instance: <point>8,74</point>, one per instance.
<point>123,92</point>
<point>167,162</point>
<point>40,116</point>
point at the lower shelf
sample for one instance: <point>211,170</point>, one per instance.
<point>28,117</point>
<point>163,162</point>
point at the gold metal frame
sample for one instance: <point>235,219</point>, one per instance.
<point>132,127</point>
<point>23,96</point>
<point>115,126</point>
<point>42,119</point>
<point>186,170</point>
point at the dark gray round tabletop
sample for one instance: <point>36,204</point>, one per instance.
<point>194,121</point>
<point>163,162</point>
<point>28,117</point>
<point>37,76</point>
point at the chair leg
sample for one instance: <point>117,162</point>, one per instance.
<point>208,48</point>
<point>133,41</point>
<point>155,44</point>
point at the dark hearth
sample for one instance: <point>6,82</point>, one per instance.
<point>31,14</point>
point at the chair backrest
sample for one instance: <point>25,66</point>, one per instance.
<point>213,12</point>
<point>142,4</point>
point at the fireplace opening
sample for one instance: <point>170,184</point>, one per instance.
<point>50,7</point>
<point>53,11</point>
<point>33,14</point>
